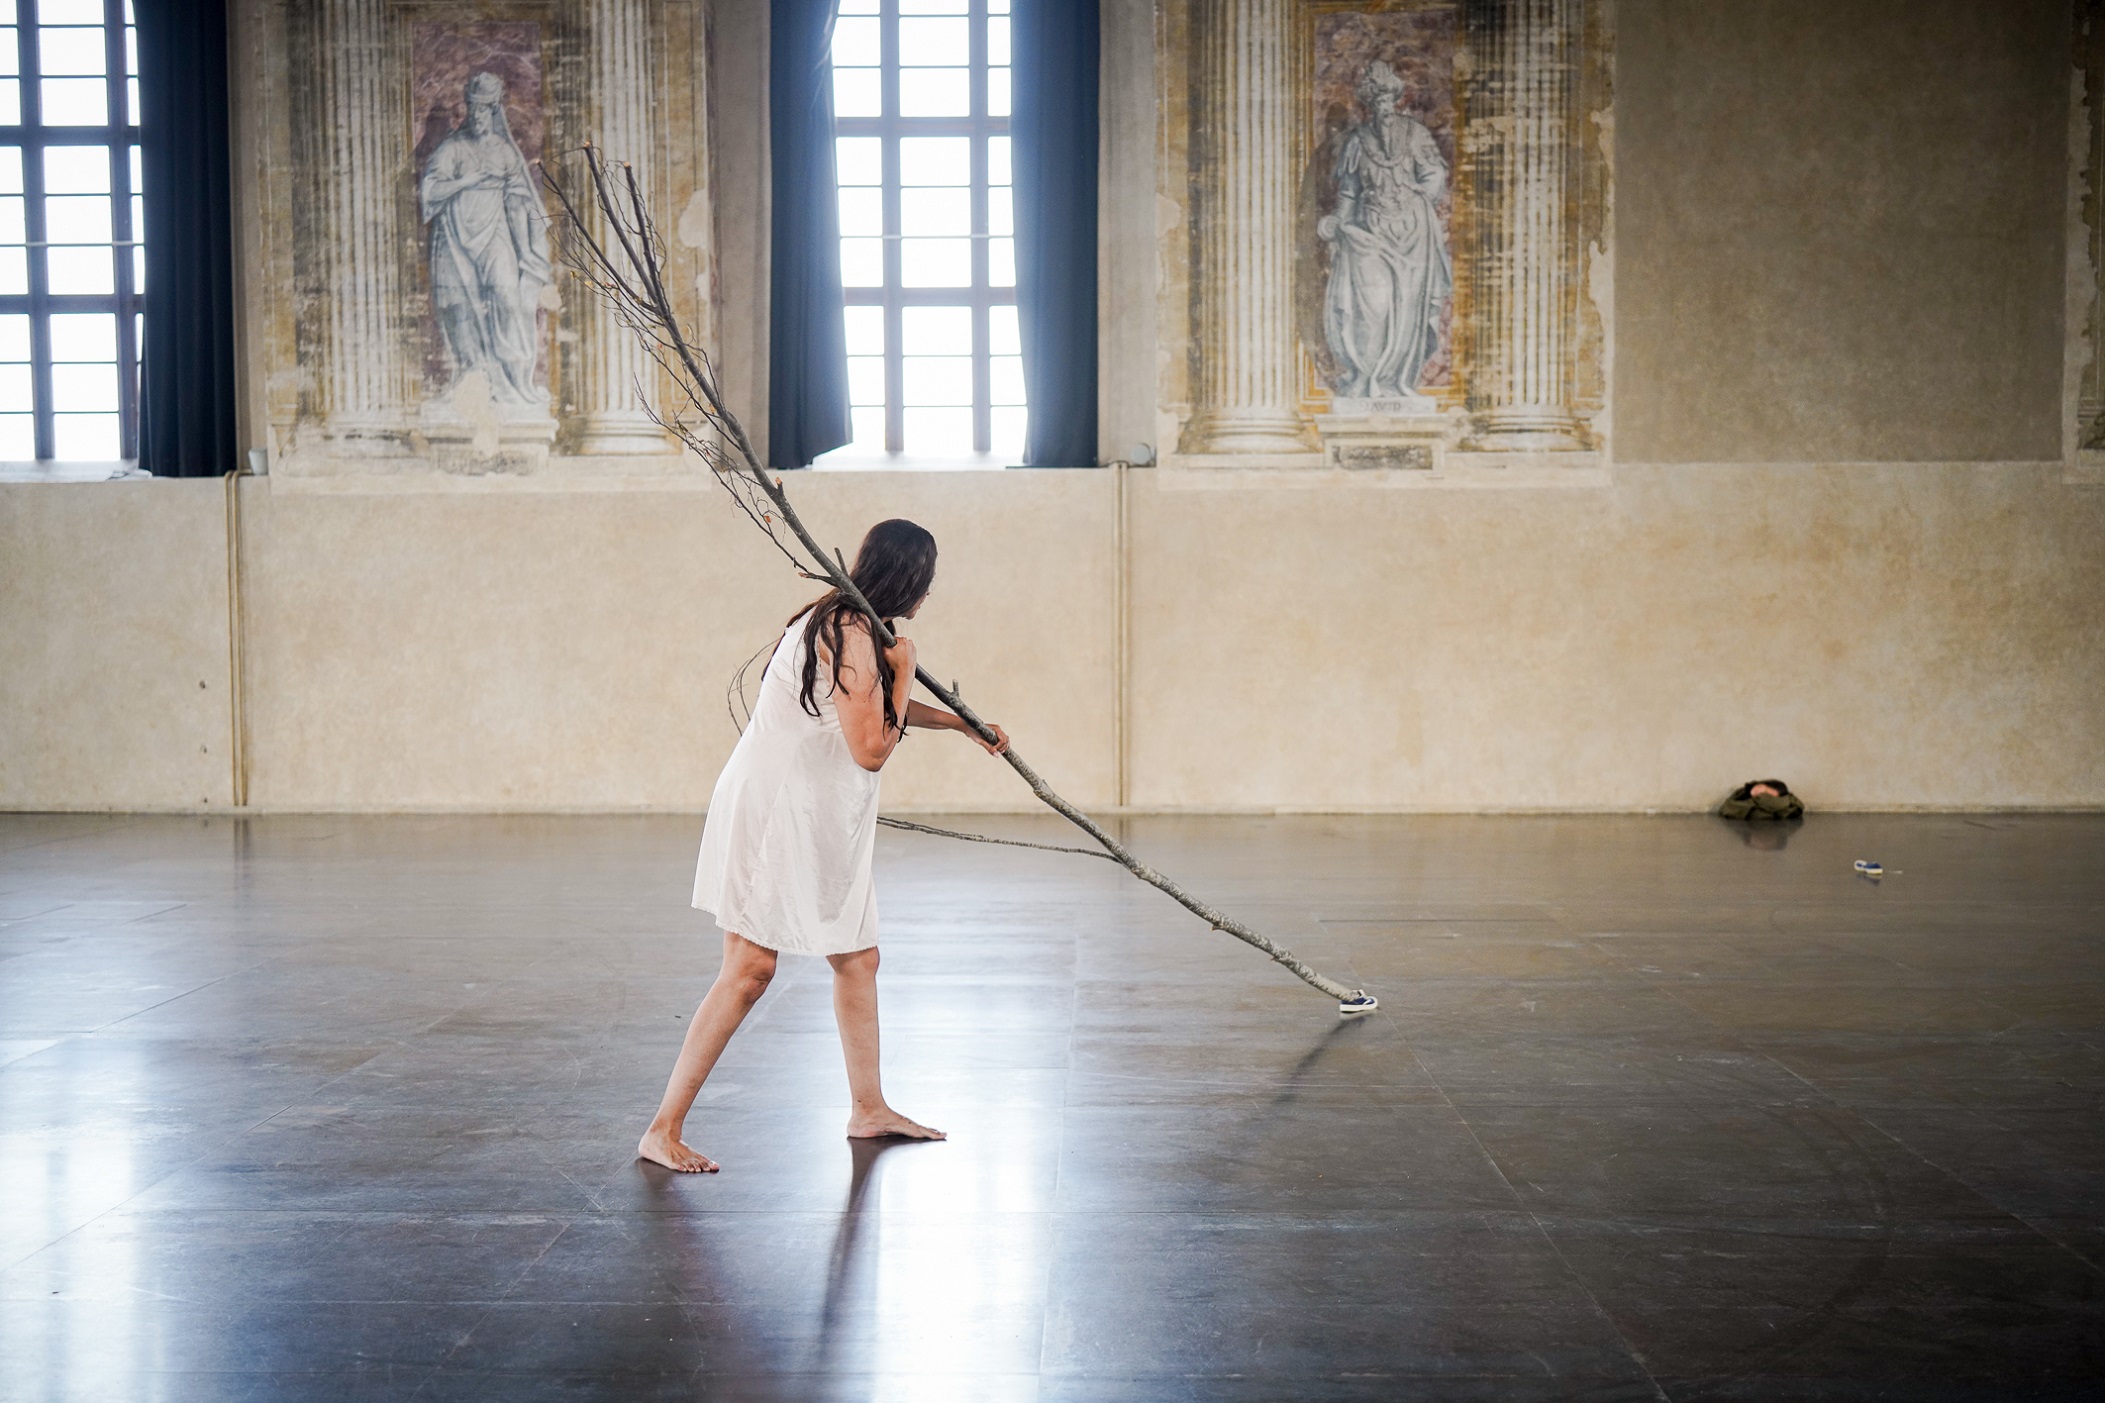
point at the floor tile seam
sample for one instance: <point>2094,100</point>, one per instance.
<point>1898,1230</point>
<point>147,916</point>
<point>399,1042</point>
<point>1636,1355</point>
<point>34,915</point>
<point>590,1197</point>
<point>1761,1040</point>
<point>1067,1075</point>
<point>1878,1179</point>
<point>142,1012</point>
<point>1842,1084</point>
<point>2023,1023</point>
<point>1333,1374</point>
<point>2092,1267</point>
<point>1600,1312</point>
<point>309,1096</point>
<point>50,1045</point>
<point>1481,1102</point>
<point>349,1217</point>
<point>115,825</point>
<point>224,1302</point>
<point>1448,1101</point>
<point>487,1310</point>
<point>306,1098</point>
<point>348,1371</point>
<point>2078,1103</point>
<point>1738,1040</point>
<point>1250,1086</point>
<point>1243,1215</point>
<point>1915,983</point>
<point>216,1144</point>
<point>172,1171</point>
<point>1833,943</point>
<point>527,1270</point>
<point>77,928</point>
<point>699,1372</point>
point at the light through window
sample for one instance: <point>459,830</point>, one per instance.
<point>72,269</point>
<point>928,247</point>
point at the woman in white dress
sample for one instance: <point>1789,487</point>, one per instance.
<point>785,864</point>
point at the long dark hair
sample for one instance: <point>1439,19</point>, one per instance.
<point>894,567</point>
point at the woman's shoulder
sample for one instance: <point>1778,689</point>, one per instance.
<point>855,640</point>
<point>855,636</point>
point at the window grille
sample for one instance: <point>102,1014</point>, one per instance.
<point>928,248</point>
<point>72,265</point>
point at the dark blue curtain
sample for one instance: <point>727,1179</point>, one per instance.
<point>807,404</point>
<point>1054,124</point>
<point>186,373</point>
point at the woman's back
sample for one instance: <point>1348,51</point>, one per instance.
<point>780,705</point>
<point>792,826</point>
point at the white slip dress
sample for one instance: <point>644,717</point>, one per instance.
<point>792,825</point>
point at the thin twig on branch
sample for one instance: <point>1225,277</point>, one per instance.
<point>612,246</point>
<point>989,838</point>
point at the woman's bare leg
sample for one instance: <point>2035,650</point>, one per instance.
<point>855,1009</point>
<point>741,981</point>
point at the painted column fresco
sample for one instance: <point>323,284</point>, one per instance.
<point>1523,111</point>
<point>1246,389</point>
<point>612,362</point>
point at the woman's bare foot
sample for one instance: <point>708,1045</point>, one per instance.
<point>887,1121</point>
<point>662,1147</point>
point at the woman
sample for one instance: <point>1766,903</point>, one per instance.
<point>785,862</point>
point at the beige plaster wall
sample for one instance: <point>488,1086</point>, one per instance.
<point>1882,636</point>
<point>531,650</point>
<point>114,679</point>
<point>1839,229</point>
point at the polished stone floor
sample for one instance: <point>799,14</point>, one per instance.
<point>305,1108</point>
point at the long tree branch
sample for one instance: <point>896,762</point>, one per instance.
<point>624,264</point>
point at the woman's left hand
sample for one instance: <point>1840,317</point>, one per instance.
<point>1000,736</point>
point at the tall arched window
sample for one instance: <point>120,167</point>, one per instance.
<point>72,272</point>
<point>928,249</point>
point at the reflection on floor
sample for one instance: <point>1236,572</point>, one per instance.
<point>341,1108</point>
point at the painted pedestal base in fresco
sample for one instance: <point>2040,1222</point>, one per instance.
<point>1376,442</point>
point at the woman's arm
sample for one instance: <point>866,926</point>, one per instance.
<point>857,701</point>
<point>930,718</point>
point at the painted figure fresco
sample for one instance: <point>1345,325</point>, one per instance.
<point>489,246</point>
<point>1390,274</point>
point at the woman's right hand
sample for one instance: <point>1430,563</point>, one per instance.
<point>902,657</point>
